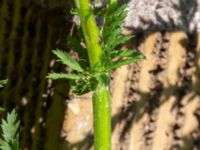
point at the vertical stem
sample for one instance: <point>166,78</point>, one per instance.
<point>101,112</point>
<point>91,33</point>
<point>101,97</point>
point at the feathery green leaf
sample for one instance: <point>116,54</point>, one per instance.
<point>112,38</point>
<point>10,127</point>
<point>113,22</point>
<point>56,76</point>
<point>130,60</point>
<point>66,60</point>
<point>4,145</point>
<point>124,53</point>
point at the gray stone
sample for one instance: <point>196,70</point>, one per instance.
<point>163,15</point>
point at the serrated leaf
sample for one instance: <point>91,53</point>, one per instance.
<point>116,40</point>
<point>3,82</point>
<point>112,36</point>
<point>4,145</point>
<point>10,126</point>
<point>124,53</point>
<point>10,135</point>
<point>119,63</point>
<point>114,20</point>
<point>66,60</point>
<point>56,76</point>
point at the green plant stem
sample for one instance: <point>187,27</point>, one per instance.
<point>101,112</point>
<point>91,33</point>
<point>101,97</point>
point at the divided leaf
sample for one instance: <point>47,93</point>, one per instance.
<point>10,127</point>
<point>112,38</point>
<point>125,53</point>
<point>56,76</point>
<point>113,24</point>
<point>4,145</point>
<point>119,63</point>
<point>79,82</point>
<point>66,60</point>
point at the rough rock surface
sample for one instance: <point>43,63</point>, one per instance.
<point>163,14</point>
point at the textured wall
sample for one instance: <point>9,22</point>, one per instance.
<point>155,102</point>
<point>160,104</point>
<point>163,14</point>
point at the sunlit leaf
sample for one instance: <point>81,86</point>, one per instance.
<point>119,63</point>
<point>66,60</point>
<point>56,76</point>
<point>10,127</point>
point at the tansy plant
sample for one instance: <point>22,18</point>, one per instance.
<point>10,135</point>
<point>96,61</point>
<point>9,128</point>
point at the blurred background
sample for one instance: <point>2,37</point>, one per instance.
<point>155,102</point>
<point>29,30</point>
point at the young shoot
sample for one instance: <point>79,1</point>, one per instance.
<point>101,55</point>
